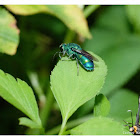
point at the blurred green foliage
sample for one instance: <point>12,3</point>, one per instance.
<point>115,38</point>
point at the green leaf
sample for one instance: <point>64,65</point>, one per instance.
<point>110,29</point>
<point>103,40</point>
<point>133,12</point>
<point>114,18</point>
<point>27,9</point>
<point>119,53</point>
<point>99,126</point>
<point>121,101</point>
<point>27,122</point>
<point>121,64</point>
<point>71,15</point>
<point>85,108</point>
<point>20,95</point>
<point>70,90</point>
<point>119,49</point>
<point>102,106</point>
<point>9,33</point>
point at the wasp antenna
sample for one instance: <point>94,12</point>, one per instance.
<point>54,56</point>
<point>131,116</point>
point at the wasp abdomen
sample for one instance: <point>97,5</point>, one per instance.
<point>87,64</point>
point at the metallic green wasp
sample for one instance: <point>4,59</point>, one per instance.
<point>74,51</point>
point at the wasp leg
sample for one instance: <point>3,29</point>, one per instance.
<point>77,67</point>
<point>60,55</point>
<point>70,57</point>
<point>64,53</point>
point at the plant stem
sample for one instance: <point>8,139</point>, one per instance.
<point>62,130</point>
<point>70,124</point>
<point>90,9</point>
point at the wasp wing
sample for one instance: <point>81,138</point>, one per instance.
<point>84,53</point>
